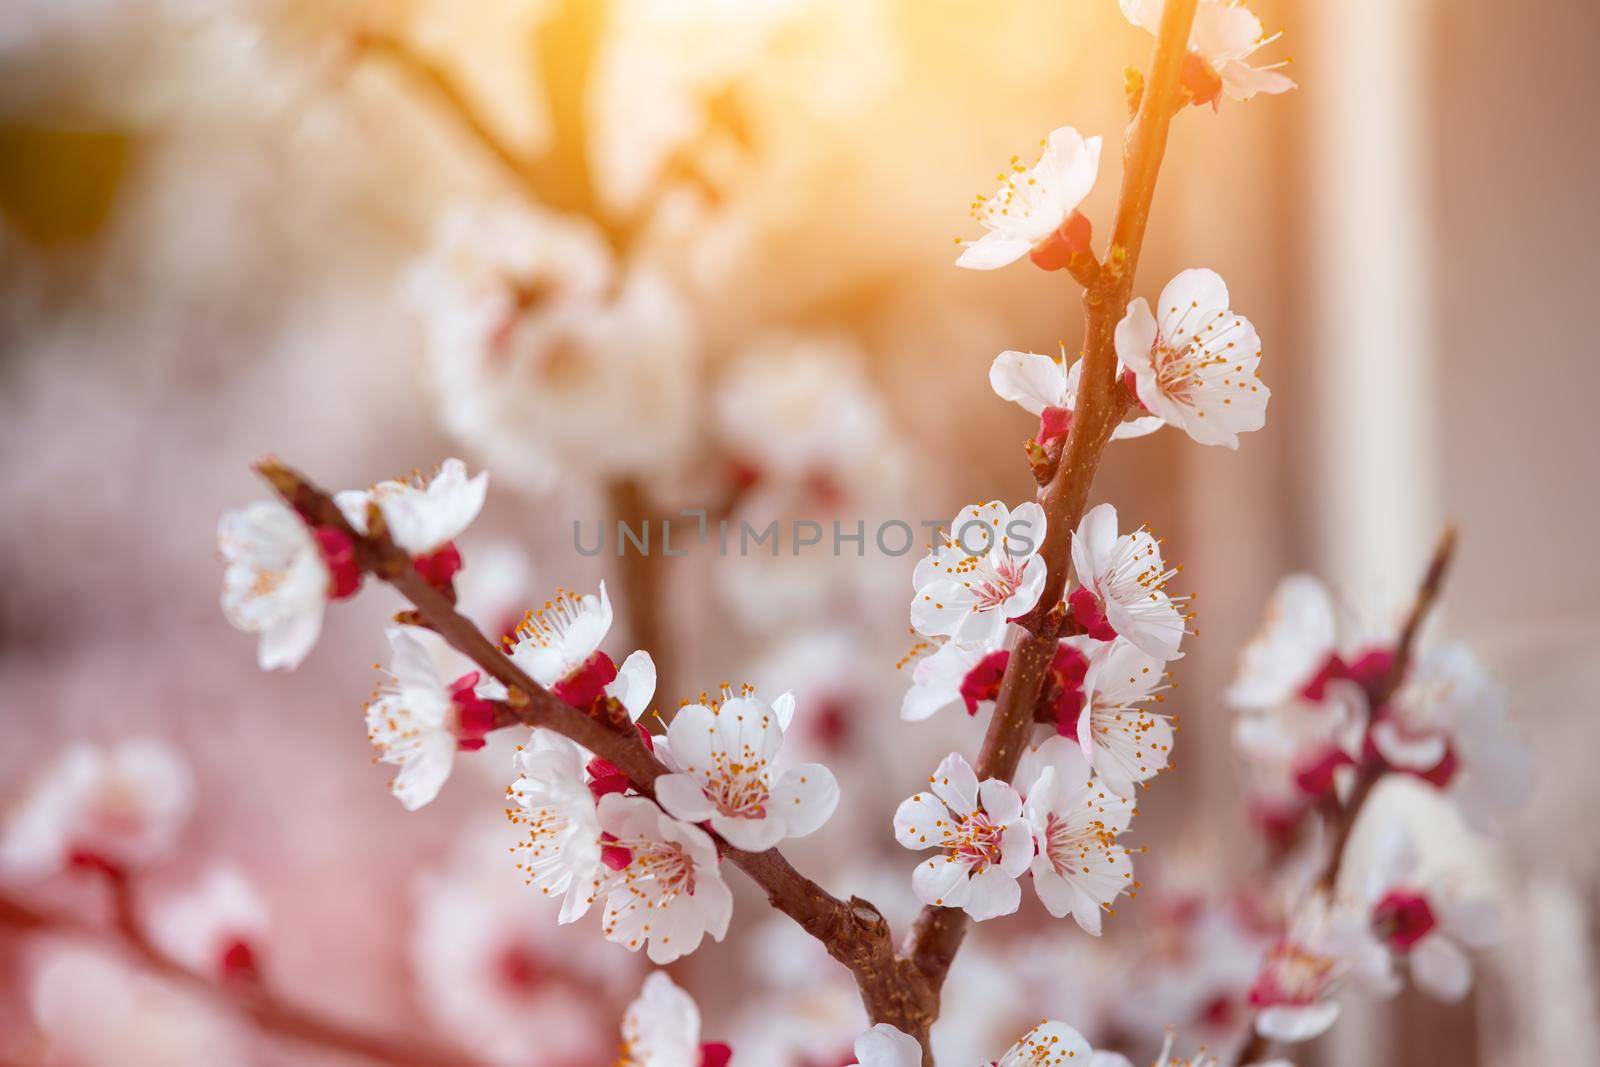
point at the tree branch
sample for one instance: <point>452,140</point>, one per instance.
<point>265,1011</point>
<point>1342,824</point>
<point>853,932</point>
<point>1099,406</point>
<point>444,88</point>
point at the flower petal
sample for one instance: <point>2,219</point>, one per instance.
<point>805,797</point>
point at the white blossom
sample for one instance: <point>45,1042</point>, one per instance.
<point>94,1010</point>
<point>663,889</point>
<point>215,928</point>
<point>120,806</point>
<point>1195,367</point>
<point>559,646</point>
<point>798,406</point>
<point>276,582</point>
<point>1079,868</point>
<point>886,1046</point>
<point>1050,1044</point>
<point>1448,725</point>
<point>1423,920</point>
<point>547,364</point>
<point>724,758</point>
<point>1224,35</point>
<point>1121,586</point>
<point>1298,634</point>
<point>986,572</point>
<point>560,849</point>
<point>1327,944</point>
<point>662,1029</point>
<point>985,840</point>
<point>495,971</point>
<point>1047,386</point>
<point>423,514</point>
<point>1314,745</point>
<point>417,722</point>
<point>1122,739</point>
<point>951,674</point>
<point>1032,203</point>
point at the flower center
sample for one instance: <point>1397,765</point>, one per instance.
<point>239,961</point>
<point>996,583</point>
<point>1403,918</point>
<point>737,783</point>
<point>518,969</point>
<point>975,843</point>
<point>1293,975</point>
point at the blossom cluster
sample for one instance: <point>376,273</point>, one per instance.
<point>1320,709</point>
<point>554,355</point>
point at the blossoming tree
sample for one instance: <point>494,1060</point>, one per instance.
<point>1053,618</point>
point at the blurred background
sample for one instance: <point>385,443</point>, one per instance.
<point>317,229</point>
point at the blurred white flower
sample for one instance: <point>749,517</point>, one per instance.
<point>1224,35</point>
<point>559,853</point>
<point>544,363</point>
<point>417,722</point>
<point>986,572</point>
<point>1121,584</point>
<point>1198,979</point>
<point>424,515</point>
<point>1306,642</point>
<point>1314,745</point>
<point>1079,868</point>
<point>663,889</point>
<point>662,1029</point>
<point>1298,634</point>
<point>986,840</point>
<point>1326,945</point>
<point>498,973</point>
<point>794,406</point>
<point>839,679</point>
<point>115,808</point>
<point>1447,724</point>
<point>1121,738</point>
<point>1047,387</point>
<point>95,1011</point>
<point>1034,203</point>
<point>885,1046</point>
<point>724,759</point>
<point>559,646</point>
<point>1422,919</point>
<point>279,576</point>
<point>216,928</point>
<point>1197,367</point>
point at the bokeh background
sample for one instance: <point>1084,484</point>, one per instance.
<point>217,226</point>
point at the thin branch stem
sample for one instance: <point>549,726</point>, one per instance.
<point>1342,823</point>
<point>445,89</point>
<point>265,1011</point>
<point>642,575</point>
<point>854,932</point>
<point>1099,406</point>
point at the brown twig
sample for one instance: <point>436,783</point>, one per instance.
<point>453,97</point>
<point>1342,822</point>
<point>1100,405</point>
<point>854,932</point>
<point>642,575</point>
<point>264,1010</point>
